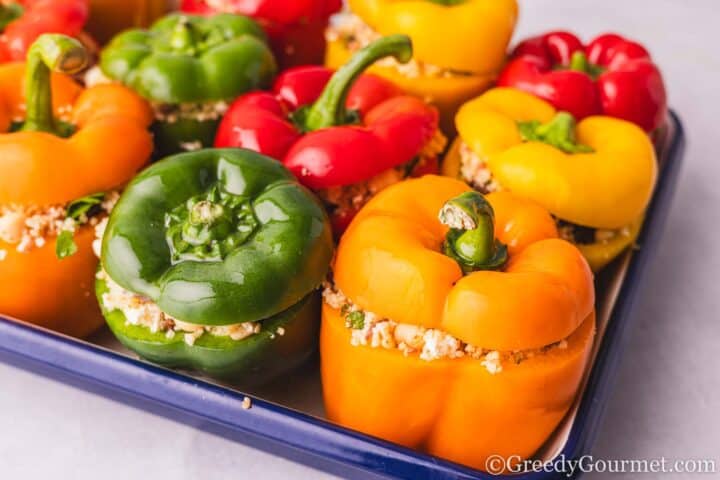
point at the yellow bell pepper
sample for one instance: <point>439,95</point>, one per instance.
<point>462,44</point>
<point>598,174</point>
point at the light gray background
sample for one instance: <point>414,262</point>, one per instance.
<point>665,402</point>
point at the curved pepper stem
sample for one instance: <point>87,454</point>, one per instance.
<point>329,109</point>
<point>559,132</point>
<point>471,240</point>
<point>50,52</point>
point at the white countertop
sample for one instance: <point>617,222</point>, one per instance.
<point>666,400</point>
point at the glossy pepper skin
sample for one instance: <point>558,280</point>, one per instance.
<point>610,76</point>
<point>185,59</point>
<point>468,38</point>
<point>38,167</point>
<point>606,183</point>
<point>24,21</point>
<point>219,237</point>
<point>296,27</point>
<point>454,408</point>
<point>333,130</point>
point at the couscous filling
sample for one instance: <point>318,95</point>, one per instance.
<point>140,310</point>
<point>355,34</point>
<point>350,198</point>
<point>369,329</point>
<point>29,227</point>
<point>474,170</point>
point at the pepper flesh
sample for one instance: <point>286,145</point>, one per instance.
<point>608,188</point>
<point>295,27</point>
<point>610,76</point>
<point>455,408</point>
<point>39,168</point>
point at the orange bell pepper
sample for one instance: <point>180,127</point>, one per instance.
<point>529,305</point>
<point>40,168</point>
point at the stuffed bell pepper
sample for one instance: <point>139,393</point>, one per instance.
<point>459,46</point>
<point>610,76</point>
<point>344,135</point>
<point>296,27</point>
<point>596,176</point>
<point>189,68</point>
<point>64,153</point>
<point>211,260</point>
<point>455,323</point>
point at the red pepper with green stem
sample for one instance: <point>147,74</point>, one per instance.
<point>340,133</point>
<point>296,27</point>
<point>610,76</point>
<point>22,22</point>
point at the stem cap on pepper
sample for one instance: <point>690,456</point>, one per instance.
<point>188,58</point>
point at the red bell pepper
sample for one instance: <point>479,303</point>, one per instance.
<point>296,27</point>
<point>337,130</point>
<point>611,75</point>
<point>22,22</point>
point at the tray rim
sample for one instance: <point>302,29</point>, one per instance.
<point>313,441</point>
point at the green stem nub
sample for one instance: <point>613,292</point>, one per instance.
<point>559,132</point>
<point>50,52</point>
<point>471,240</point>
<point>580,63</point>
<point>183,39</point>
<point>329,110</point>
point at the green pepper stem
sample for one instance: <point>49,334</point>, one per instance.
<point>50,52</point>
<point>447,3</point>
<point>579,62</point>
<point>182,38</point>
<point>471,240</point>
<point>329,109</point>
<point>559,132</point>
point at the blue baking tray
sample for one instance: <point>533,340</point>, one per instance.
<point>283,429</point>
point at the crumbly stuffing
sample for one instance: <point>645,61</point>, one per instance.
<point>29,227</point>
<point>350,198</point>
<point>191,146</point>
<point>355,34</point>
<point>428,343</point>
<point>201,111</point>
<point>581,235</point>
<point>94,76</point>
<point>140,310</point>
<point>475,171</point>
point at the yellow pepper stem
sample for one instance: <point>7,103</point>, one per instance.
<point>471,240</point>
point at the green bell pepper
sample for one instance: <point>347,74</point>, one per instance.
<point>219,237</point>
<point>190,60</point>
